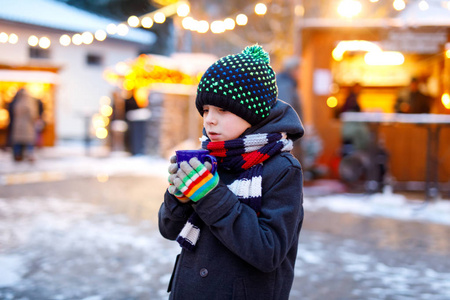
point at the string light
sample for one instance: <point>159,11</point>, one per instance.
<point>229,23</point>
<point>346,8</point>
<point>33,41</point>
<point>241,20</point>
<point>87,38</point>
<point>399,5</point>
<point>13,38</point>
<point>77,39</point>
<point>122,29</point>
<point>3,37</point>
<point>100,35</point>
<point>260,9</point>
<point>423,5</point>
<point>349,8</point>
<point>44,42</point>
<point>64,40</point>
<point>147,22</point>
<point>217,27</point>
<point>159,18</point>
<point>111,29</point>
<point>133,21</point>
<point>203,26</point>
<point>183,10</point>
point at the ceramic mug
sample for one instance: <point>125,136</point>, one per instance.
<point>202,155</point>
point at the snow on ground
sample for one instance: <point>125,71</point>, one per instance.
<point>386,204</point>
<point>74,250</point>
<point>69,159</point>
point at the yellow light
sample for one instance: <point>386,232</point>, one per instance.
<point>77,39</point>
<point>4,118</point>
<point>299,10</point>
<point>399,5</point>
<point>102,177</point>
<point>447,53</point>
<point>105,100</point>
<point>423,5</point>
<point>203,26</point>
<point>4,37</point>
<point>106,110</point>
<point>101,133</point>
<point>44,42</point>
<point>217,27</point>
<point>183,10</point>
<point>147,22</point>
<point>133,21</point>
<point>13,38</point>
<point>122,68</point>
<point>349,8</point>
<point>229,24</point>
<point>159,17</point>
<point>260,9</point>
<point>100,35</point>
<point>99,121</point>
<point>111,28</point>
<point>373,1</point>
<point>446,100</point>
<point>129,84</point>
<point>384,58</point>
<point>357,45</point>
<point>87,37</point>
<point>332,102</point>
<point>241,20</point>
<point>33,41</point>
<point>65,40</point>
<point>187,23</point>
<point>122,29</point>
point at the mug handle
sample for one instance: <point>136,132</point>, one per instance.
<point>213,162</point>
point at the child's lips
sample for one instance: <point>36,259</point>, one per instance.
<point>213,134</point>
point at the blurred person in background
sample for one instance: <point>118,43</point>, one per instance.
<point>24,114</point>
<point>412,100</point>
<point>351,102</point>
<point>288,92</point>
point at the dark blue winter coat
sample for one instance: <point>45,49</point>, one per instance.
<point>240,255</point>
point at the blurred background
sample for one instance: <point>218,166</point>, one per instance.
<point>109,72</point>
<point>112,84</point>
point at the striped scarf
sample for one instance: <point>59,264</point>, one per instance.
<point>246,156</point>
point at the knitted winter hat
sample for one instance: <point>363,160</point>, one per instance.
<point>243,84</point>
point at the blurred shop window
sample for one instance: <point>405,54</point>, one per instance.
<point>39,53</point>
<point>94,59</point>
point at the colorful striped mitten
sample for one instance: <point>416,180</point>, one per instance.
<point>173,169</point>
<point>195,180</point>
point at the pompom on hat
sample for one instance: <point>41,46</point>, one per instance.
<point>242,83</point>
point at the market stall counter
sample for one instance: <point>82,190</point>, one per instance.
<point>433,124</point>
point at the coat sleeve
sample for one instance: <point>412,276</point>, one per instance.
<point>263,241</point>
<point>172,216</point>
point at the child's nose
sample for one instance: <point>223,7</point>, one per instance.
<point>210,118</point>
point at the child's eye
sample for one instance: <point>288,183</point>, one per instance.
<point>222,110</point>
<point>205,110</point>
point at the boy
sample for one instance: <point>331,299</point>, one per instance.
<point>240,233</point>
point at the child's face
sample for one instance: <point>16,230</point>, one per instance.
<point>222,125</point>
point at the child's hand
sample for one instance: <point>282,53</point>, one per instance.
<point>194,180</point>
<point>173,169</point>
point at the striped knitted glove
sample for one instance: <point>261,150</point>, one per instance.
<point>173,169</point>
<point>194,180</point>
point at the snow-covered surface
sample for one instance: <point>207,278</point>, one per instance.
<point>386,204</point>
<point>69,159</point>
<point>71,249</point>
<point>59,15</point>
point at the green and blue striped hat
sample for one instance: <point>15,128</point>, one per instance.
<point>242,83</point>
